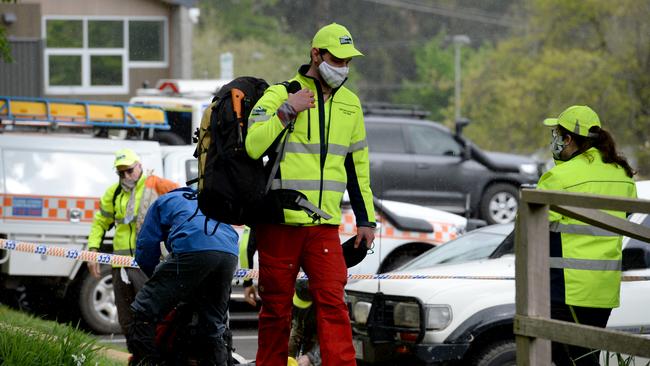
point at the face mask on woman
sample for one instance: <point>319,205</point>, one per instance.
<point>557,145</point>
<point>333,76</point>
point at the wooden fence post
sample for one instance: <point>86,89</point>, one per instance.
<point>533,280</point>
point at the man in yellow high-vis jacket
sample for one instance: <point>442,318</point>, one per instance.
<point>124,205</point>
<point>585,260</point>
<point>325,154</point>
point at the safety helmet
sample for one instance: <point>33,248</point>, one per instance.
<point>354,256</point>
<point>302,297</point>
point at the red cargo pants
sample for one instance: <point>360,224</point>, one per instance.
<point>283,249</point>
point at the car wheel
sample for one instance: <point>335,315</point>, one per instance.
<point>402,256</point>
<point>168,138</point>
<point>499,203</point>
<point>97,303</point>
<point>501,353</point>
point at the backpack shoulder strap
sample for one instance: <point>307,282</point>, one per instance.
<point>117,192</point>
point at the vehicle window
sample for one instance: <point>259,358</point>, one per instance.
<point>385,138</point>
<point>429,141</point>
<point>636,254</point>
<point>471,246</point>
<point>192,171</point>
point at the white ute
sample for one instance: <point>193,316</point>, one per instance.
<point>438,321</point>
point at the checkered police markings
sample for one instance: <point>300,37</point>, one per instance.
<point>241,273</point>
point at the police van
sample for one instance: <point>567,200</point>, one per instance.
<point>52,175</point>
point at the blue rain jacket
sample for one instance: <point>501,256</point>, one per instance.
<point>175,219</point>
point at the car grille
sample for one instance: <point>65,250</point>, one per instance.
<point>380,325</point>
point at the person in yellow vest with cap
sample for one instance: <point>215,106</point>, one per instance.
<point>124,205</point>
<point>585,260</point>
<point>326,154</point>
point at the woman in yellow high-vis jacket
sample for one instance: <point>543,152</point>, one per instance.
<point>585,260</point>
<point>325,154</point>
<point>124,204</point>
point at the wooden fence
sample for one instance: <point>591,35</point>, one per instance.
<point>533,328</point>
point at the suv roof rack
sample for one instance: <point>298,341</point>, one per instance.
<point>390,109</point>
<point>24,113</point>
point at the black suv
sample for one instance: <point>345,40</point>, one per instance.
<point>422,162</point>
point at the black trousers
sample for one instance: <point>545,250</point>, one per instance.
<point>564,354</point>
<point>125,293</point>
<point>202,279</point>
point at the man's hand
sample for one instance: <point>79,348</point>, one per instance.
<point>250,295</point>
<point>94,269</point>
<point>367,233</point>
<point>301,100</point>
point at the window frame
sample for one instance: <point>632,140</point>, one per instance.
<point>86,53</point>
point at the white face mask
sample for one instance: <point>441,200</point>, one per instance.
<point>333,76</point>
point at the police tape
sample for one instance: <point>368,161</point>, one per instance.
<point>127,261</point>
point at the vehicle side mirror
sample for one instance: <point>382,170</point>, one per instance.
<point>461,123</point>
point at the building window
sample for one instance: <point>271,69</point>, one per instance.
<point>146,40</point>
<point>92,55</point>
<point>105,70</point>
<point>65,70</point>
<point>64,34</point>
<point>105,34</point>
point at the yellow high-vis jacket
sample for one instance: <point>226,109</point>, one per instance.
<point>127,224</point>
<point>326,153</point>
<point>586,260</point>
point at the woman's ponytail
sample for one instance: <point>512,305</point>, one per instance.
<point>607,147</point>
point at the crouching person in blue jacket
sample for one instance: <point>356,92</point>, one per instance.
<point>199,270</point>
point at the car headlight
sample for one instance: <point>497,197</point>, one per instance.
<point>360,311</point>
<point>528,169</point>
<point>406,315</point>
<point>438,316</point>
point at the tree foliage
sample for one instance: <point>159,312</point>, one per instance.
<point>433,86</point>
<point>5,49</point>
<point>258,44</point>
<point>589,52</point>
<point>388,35</point>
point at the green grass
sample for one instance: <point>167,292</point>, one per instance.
<point>26,340</point>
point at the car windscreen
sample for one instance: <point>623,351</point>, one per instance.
<point>471,246</point>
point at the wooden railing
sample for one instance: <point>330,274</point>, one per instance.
<point>533,328</point>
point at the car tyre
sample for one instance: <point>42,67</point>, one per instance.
<point>168,138</point>
<point>97,303</point>
<point>499,203</point>
<point>501,353</point>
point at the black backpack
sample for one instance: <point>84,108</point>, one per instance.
<point>233,188</point>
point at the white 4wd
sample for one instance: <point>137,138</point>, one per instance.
<point>438,321</point>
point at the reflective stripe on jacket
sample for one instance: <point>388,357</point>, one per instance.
<point>147,189</point>
<point>326,153</point>
<point>586,260</point>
